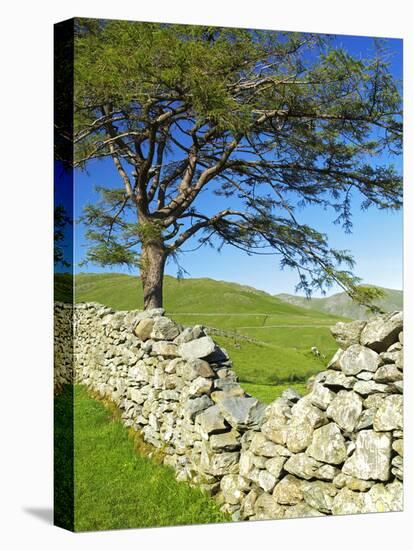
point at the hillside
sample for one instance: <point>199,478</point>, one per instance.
<point>341,304</point>
<point>279,354</point>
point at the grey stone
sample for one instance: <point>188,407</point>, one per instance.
<point>242,412</point>
<point>197,349</point>
<point>338,380</point>
<point>358,358</point>
<point>189,370</point>
<point>302,465</point>
<point>230,487</point>
<point>289,490</point>
<point>194,406</point>
<point>275,465</point>
<point>260,445</point>
<point>334,362</point>
<point>328,445</point>
<point>369,386</point>
<point>266,507</point>
<point>389,415</point>
<point>266,480</point>
<point>228,441</point>
<point>384,498</point>
<point>345,410</point>
<point>200,386</point>
<point>388,373</point>
<point>164,329</point>
<point>321,396</point>
<point>347,334</point>
<point>291,395</point>
<point>319,495</point>
<point>380,333</point>
<point>166,349</point>
<point>219,464</point>
<point>211,421</point>
<point>347,502</point>
<point>371,459</point>
<point>366,419</point>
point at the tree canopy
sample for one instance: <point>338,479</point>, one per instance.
<point>269,122</point>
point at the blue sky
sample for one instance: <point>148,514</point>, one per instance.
<point>376,240</point>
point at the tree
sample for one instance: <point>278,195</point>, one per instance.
<point>267,121</point>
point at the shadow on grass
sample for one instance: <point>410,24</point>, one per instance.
<point>63,461</point>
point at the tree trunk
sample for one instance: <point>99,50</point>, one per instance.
<point>153,258</point>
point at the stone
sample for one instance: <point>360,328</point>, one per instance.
<point>166,349</point>
<point>381,332</point>
<point>197,349</point>
<point>246,463</point>
<point>389,415</point>
<point>275,465</point>
<point>291,395</point>
<point>266,480</point>
<point>189,370</point>
<point>188,334</point>
<point>218,396</point>
<point>260,445</point>
<point>225,441</point>
<point>200,386</point>
<point>326,472</point>
<point>319,495</point>
<point>364,375</point>
<point>388,373</point>
<point>398,446</point>
<point>144,328</point>
<point>266,507</point>
<point>345,409</point>
<point>368,387</point>
<point>389,357</point>
<point>328,445</point>
<point>338,380</point>
<point>321,396</point>
<point>347,334</point>
<point>305,418</point>
<point>371,459</point>
<point>302,465</point>
<point>347,502</point>
<point>373,401</point>
<point>289,490</point>
<point>219,464</point>
<point>194,406</point>
<point>242,412</point>
<point>365,420</point>
<point>358,358</point>
<point>301,510</point>
<point>230,487</point>
<point>334,362</point>
<point>211,421</point>
<point>249,504</point>
<point>164,329</point>
<point>384,498</point>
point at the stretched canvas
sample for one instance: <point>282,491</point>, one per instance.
<point>228,259</point>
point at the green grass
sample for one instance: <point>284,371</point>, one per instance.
<point>284,333</point>
<point>116,488</point>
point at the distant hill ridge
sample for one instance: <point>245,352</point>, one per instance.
<point>201,295</point>
<point>340,304</point>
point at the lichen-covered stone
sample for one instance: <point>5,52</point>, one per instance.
<point>347,334</point>
<point>371,458</point>
<point>382,332</point>
<point>242,412</point>
<point>389,415</point>
<point>358,358</point>
<point>328,445</point>
<point>345,409</point>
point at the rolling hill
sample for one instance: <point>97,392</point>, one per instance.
<point>278,351</point>
<point>341,304</point>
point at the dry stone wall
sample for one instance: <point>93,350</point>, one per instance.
<point>337,450</point>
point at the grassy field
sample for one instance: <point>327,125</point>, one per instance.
<point>283,334</point>
<point>115,487</point>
